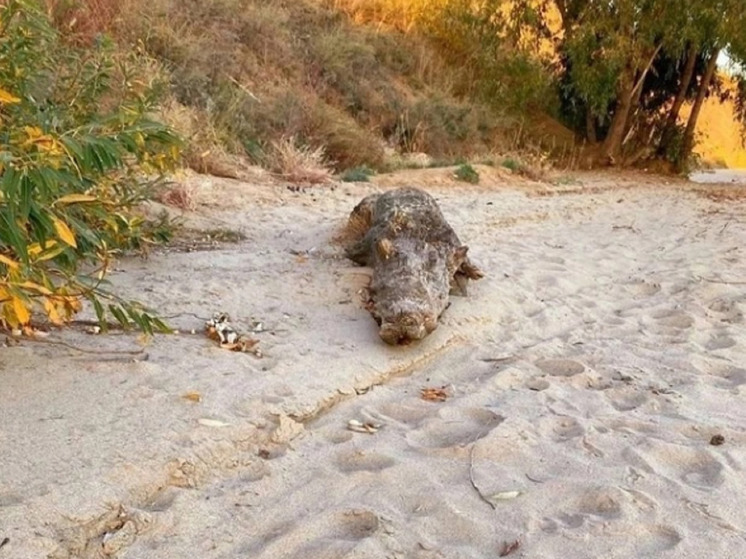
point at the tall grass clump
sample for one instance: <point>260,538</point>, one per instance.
<point>476,42</point>
<point>349,76</point>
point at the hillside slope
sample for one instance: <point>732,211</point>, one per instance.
<point>359,79</point>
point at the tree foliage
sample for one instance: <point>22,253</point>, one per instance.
<point>626,67</point>
<point>78,151</point>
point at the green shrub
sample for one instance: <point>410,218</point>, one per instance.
<point>357,174</point>
<point>75,145</point>
<point>512,164</point>
<point>467,173</point>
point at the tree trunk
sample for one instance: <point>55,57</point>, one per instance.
<point>691,124</point>
<point>686,79</point>
<point>629,91</point>
<point>673,114</point>
<point>636,96</point>
<point>612,146</point>
<point>590,126</point>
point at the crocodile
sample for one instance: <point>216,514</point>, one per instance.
<point>417,260</point>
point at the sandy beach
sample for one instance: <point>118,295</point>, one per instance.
<point>594,387</point>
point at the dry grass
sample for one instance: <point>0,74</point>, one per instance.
<point>352,76</point>
<point>178,196</point>
<point>404,15</point>
<point>350,84</point>
<point>82,20</point>
<point>299,164</point>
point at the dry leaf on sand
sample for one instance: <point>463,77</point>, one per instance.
<point>192,396</point>
<point>434,394</point>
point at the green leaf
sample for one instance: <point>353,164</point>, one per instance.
<point>10,233</point>
<point>120,316</point>
<point>100,314</point>
<point>161,326</point>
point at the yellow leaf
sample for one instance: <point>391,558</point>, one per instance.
<point>64,232</point>
<point>75,199</point>
<point>35,287</point>
<point>33,132</point>
<point>22,313</point>
<point>7,316</point>
<point>12,264</point>
<point>8,98</point>
<point>71,305</point>
<point>49,254</point>
<point>52,313</point>
<point>192,396</point>
<point>36,248</point>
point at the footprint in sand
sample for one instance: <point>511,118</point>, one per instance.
<point>566,428</point>
<point>642,288</point>
<point>695,467</point>
<point>729,377</point>
<point>326,536</point>
<point>726,311</point>
<point>338,535</point>
<point>361,461</point>
<point>354,524</point>
<point>537,384</point>
<point>651,540</point>
<point>673,319</point>
<point>720,341</point>
<point>560,367</point>
<point>626,398</point>
<point>455,428</point>
<point>406,415</point>
<point>604,502</point>
<point>602,508</point>
<point>554,260</point>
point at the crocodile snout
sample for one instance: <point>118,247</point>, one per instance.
<point>406,328</point>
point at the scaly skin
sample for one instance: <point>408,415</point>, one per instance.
<point>417,260</point>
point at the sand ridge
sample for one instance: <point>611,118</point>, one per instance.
<point>587,374</point>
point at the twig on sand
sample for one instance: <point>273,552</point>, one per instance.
<point>4,542</point>
<point>87,350</point>
<point>471,477</point>
<point>725,282</point>
<point>496,359</point>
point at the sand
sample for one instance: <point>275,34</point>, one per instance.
<point>586,377</point>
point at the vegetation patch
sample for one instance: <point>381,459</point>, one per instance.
<point>467,173</point>
<point>79,152</point>
<point>357,174</point>
<point>299,164</point>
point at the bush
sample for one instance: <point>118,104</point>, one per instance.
<point>75,145</point>
<point>299,164</point>
<point>443,127</point>
<point>358,174</point>
<point>467,173</point>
